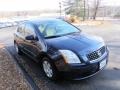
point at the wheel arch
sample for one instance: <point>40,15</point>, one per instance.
<point>42,55</point>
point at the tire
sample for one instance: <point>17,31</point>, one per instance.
<point>18,49</point>
<point>49,69</point>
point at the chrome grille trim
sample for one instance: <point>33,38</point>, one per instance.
<point>96,54</point>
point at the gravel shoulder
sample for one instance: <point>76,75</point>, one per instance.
<point>11,77</point>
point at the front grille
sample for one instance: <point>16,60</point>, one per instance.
<point>96,54</point>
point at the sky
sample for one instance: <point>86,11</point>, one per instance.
<point>111,2</point>
<point>21,5</point>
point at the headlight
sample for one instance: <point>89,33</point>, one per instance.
<point>69,56</point>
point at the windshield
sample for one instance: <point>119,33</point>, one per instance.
<point>57,28</point>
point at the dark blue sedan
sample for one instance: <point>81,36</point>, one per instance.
<point>61,48</point>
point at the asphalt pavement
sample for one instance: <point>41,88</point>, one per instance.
<point>108,79</point>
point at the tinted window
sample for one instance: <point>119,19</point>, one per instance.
<point>29,30</point>
<point>21,29</point>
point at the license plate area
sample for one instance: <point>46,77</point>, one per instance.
<point>102,63</point>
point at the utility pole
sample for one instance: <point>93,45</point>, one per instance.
<point>88,9</point>
<point>84,11</point>
<point>60,9</point>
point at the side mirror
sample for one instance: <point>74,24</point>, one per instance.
<point>31,37</point>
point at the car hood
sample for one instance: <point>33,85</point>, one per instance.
<point>79,43</point>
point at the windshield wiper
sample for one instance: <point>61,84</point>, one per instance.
<point>71,33</point>
<point>53,36</point>
<point>60,35</point>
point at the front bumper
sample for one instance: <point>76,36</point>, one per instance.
<point>78,72</point>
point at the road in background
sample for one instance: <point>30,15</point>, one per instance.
<point>108,79</point>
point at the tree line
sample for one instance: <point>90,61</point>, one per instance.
<point>81,8</point>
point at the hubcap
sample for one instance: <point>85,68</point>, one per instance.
<point>16,48</point>
<point>47,69</point>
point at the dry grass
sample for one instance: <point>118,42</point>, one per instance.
<point>90,22</point>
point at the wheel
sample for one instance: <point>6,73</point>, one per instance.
<point>17,49</point>
<point>49,69</point>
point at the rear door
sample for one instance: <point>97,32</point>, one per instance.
<point>19,35</point>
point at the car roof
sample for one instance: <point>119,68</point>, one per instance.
<point>40,20</point>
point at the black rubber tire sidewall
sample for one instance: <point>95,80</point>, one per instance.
<point>55,72</point>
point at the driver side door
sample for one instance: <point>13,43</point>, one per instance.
<point>31,46</point>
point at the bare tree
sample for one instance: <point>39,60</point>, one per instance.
<point>96,7</point>
<point>74,7</point>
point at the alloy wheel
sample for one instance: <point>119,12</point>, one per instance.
<point>47,69</point>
